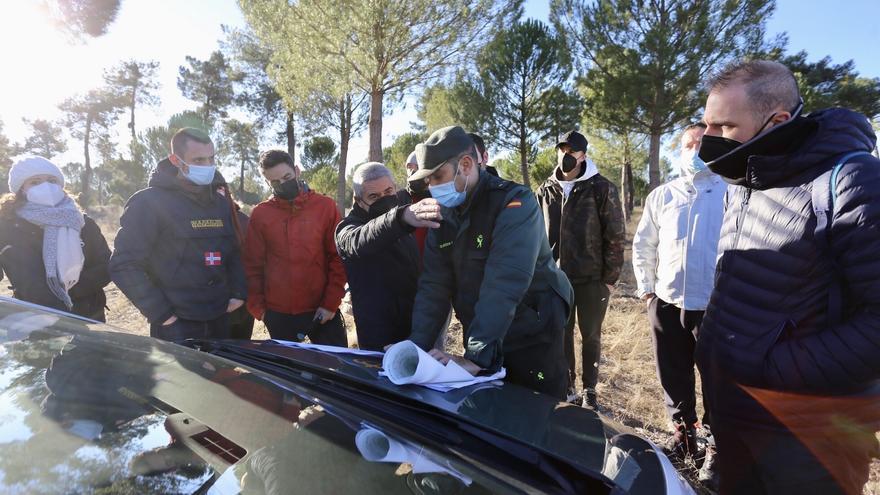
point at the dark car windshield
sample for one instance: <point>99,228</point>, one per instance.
<point>86,411</point>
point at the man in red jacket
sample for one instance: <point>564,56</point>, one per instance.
<point>295,276</point>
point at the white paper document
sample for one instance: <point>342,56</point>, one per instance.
<point>376,446</point>
<point>405,363</point>
<point>327,348</point>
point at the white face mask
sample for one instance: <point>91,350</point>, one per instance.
<point>46,194</point>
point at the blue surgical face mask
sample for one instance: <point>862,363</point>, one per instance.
<point>447,195</point>
<point>201,175</point>
<point>690,163</point>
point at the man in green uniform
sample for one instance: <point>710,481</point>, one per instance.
<point>491,261</point>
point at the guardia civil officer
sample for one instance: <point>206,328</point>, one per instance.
<point>490,261</point>
<point>177,257</point>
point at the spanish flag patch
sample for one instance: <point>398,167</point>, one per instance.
<point>514,204</point>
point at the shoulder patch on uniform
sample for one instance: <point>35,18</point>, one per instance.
<point>514,204</point>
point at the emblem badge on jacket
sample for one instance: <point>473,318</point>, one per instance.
<point>213,258</point>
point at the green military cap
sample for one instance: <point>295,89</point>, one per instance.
<point>440,147</point>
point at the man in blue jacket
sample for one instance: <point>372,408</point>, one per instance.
<point>177,257</point>
<point>789,348</point>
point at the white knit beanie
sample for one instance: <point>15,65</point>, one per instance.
<point>29,166</point>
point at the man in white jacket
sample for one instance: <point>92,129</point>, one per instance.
<point>674,253</point>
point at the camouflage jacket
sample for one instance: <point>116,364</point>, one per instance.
<point>586,230</point>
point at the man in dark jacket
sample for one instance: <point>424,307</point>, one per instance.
<point>491,260</point>
<point>789,349</point>
<point>585,226</point>
<point>380,256</point>
<point>483,154</point>
<point>177,257</point>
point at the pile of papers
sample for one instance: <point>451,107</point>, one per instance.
<point>405,363</point>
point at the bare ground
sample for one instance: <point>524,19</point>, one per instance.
<point>628,390</point>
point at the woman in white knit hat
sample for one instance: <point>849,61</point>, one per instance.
<point>52,253</point>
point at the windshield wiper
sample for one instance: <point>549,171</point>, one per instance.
<point>445,431</point>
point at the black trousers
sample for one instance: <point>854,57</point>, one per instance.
<point>541,366</point>
<point>756,461</point>
<point>241,324</point>
<point>590,304</point>
<point>675,339</point>
<point>181,329</point>
<point>297,327</point>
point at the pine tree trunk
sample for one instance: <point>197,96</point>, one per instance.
<point>345,112</point>
<point>206,115</point>
<point>290,132</point>
<point>241,181</point>
<point>524,156</point>
<point>627,190</point>
<point>375,125</point>
<point>85,198</point>
<point>654,161</point>
<point>131,121</point>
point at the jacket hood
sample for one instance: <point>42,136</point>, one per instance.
<point>587,173</point>
<point>165,175</point>
<point>825,135</point>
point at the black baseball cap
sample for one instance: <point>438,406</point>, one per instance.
<point>576,140</point>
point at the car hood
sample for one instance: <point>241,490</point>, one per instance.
<point>84,407</point>
<point>571,432</point>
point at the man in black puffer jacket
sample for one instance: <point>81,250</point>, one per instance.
<point>177,257</point>
<point>791,371</point>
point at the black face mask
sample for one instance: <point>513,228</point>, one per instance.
<point>567,163</point>
<point>719,146</point>
<point>288,190</point>
<point>383,205</point>
<point>729,158</point>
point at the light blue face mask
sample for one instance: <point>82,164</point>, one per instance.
<point>201,175</point>
<point>690,165</point>
<point>447,195</point>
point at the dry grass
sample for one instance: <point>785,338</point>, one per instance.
<point>629,390</point>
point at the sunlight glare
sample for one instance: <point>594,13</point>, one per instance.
<point>38,65</point>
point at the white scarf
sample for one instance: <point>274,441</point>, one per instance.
<point>62,245</point>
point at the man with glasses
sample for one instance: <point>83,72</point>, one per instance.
<point>491,262</point>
